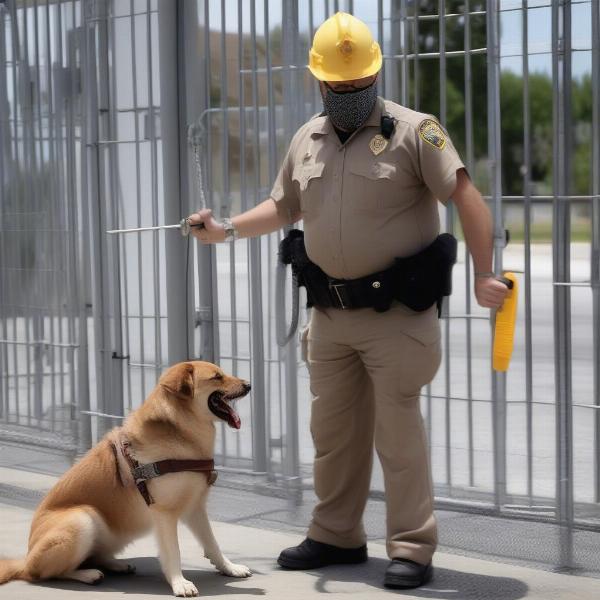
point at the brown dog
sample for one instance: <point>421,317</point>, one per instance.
<point>95,509</point>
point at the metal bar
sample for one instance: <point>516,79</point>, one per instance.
<point>175,248</point>
<point>37,156</point>
<point>225,208</point>
<point>112,199</point>
<point>447,16</point>
<point>214,300</point>
<point>17,110</point>
<point>259,416</point>
<point>417,90</point>
<point>561,75</point>
<point>138,198</point>
<point>291,457</point>
<point>186,87</point>
<point>29,160</point>
<point>59,190</point>
<point>434,54</point>
<point>5,151</point>
<point>470,163</point>
<point>595,261</point>
<point>449,229</point>
<point>382,79</point>
<point>242,110</point>
<point>34,342</point>
<point>494,153</point>
<point>95,217</point>
<point>81,380</point>
<point>527,235</point>
<point>154,174</point>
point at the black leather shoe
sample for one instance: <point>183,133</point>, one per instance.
<point>403,573</point>
<point>311,554</point>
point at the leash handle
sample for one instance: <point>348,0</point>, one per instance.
<point>185,226</point>
<point>506,317</point>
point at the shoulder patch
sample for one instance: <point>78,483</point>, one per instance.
<point>432,133</point>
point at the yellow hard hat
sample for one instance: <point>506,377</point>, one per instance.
<point>344,49</point>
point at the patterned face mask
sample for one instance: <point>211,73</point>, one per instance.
<point>349,110</point>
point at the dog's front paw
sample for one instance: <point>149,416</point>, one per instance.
<point>185,588</point>
<point>234,570</point>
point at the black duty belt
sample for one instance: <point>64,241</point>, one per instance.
<point>365,292</point>
<point>418,281</point>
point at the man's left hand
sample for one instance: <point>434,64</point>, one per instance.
<point>490,292</point>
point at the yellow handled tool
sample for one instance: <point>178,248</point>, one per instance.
<point>506,317</point>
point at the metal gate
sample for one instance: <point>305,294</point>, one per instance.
<point>43,331</point>
<point>95,132</point>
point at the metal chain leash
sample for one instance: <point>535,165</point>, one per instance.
<point>195,137</point>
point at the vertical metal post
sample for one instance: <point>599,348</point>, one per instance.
<point>175,246</point>
<point>110,191</point>
<point>561,226</point>
<point>527,235</point>
<point>259,413</point>
<point>193,94</point>
<point>291,458</point>
<point>95,50</point>
<point>198,100</point>
<point>18,152</point>
<point>29,168</point>
<point>395,83</point>
<point>494,154</point>
<point>595,262</point>
<point>470,163</point>
<point>157,263</point>
<point>84,438</point>
<point>382,78</point>
<point>5,157</point>
<point>450,229</point>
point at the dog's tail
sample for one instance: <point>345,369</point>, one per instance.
<point>12,569</point>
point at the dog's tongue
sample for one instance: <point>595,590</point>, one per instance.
<point>233,419</point>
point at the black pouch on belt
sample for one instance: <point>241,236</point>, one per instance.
<point>424,278</point>
<point>306,273</point>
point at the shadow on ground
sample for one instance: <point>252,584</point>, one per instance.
<point>446,583</point>
<point>148,579</point>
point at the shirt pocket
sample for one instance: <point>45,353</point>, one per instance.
<point>308,176</point>
<point>375,186</point>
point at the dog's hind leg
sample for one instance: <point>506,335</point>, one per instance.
<point>197,521</point>
<point>90,576</point>
<point>165,525</point>
<point>68,541</point>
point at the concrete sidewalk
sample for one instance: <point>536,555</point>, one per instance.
<point>456,577</point>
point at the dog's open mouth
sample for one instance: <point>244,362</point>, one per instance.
<point>220,404</point>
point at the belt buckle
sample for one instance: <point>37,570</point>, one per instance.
<point>335,287</point>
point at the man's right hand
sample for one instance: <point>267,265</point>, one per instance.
<point>212,232</point>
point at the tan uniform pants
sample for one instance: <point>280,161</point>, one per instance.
<point>366,373</point>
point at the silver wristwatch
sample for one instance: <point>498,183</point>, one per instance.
<point>231,233</point>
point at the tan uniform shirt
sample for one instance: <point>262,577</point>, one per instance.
<point>360,209</point>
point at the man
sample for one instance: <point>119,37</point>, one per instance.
<point>367,189</point>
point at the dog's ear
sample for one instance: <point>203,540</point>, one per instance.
<point>179,381</point>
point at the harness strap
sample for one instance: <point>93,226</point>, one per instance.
<point>143,472</point>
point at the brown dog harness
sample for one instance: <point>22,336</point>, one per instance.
<point>141,473</point>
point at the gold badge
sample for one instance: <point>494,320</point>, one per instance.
<point>431,132</point>
<point>378,144</point>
